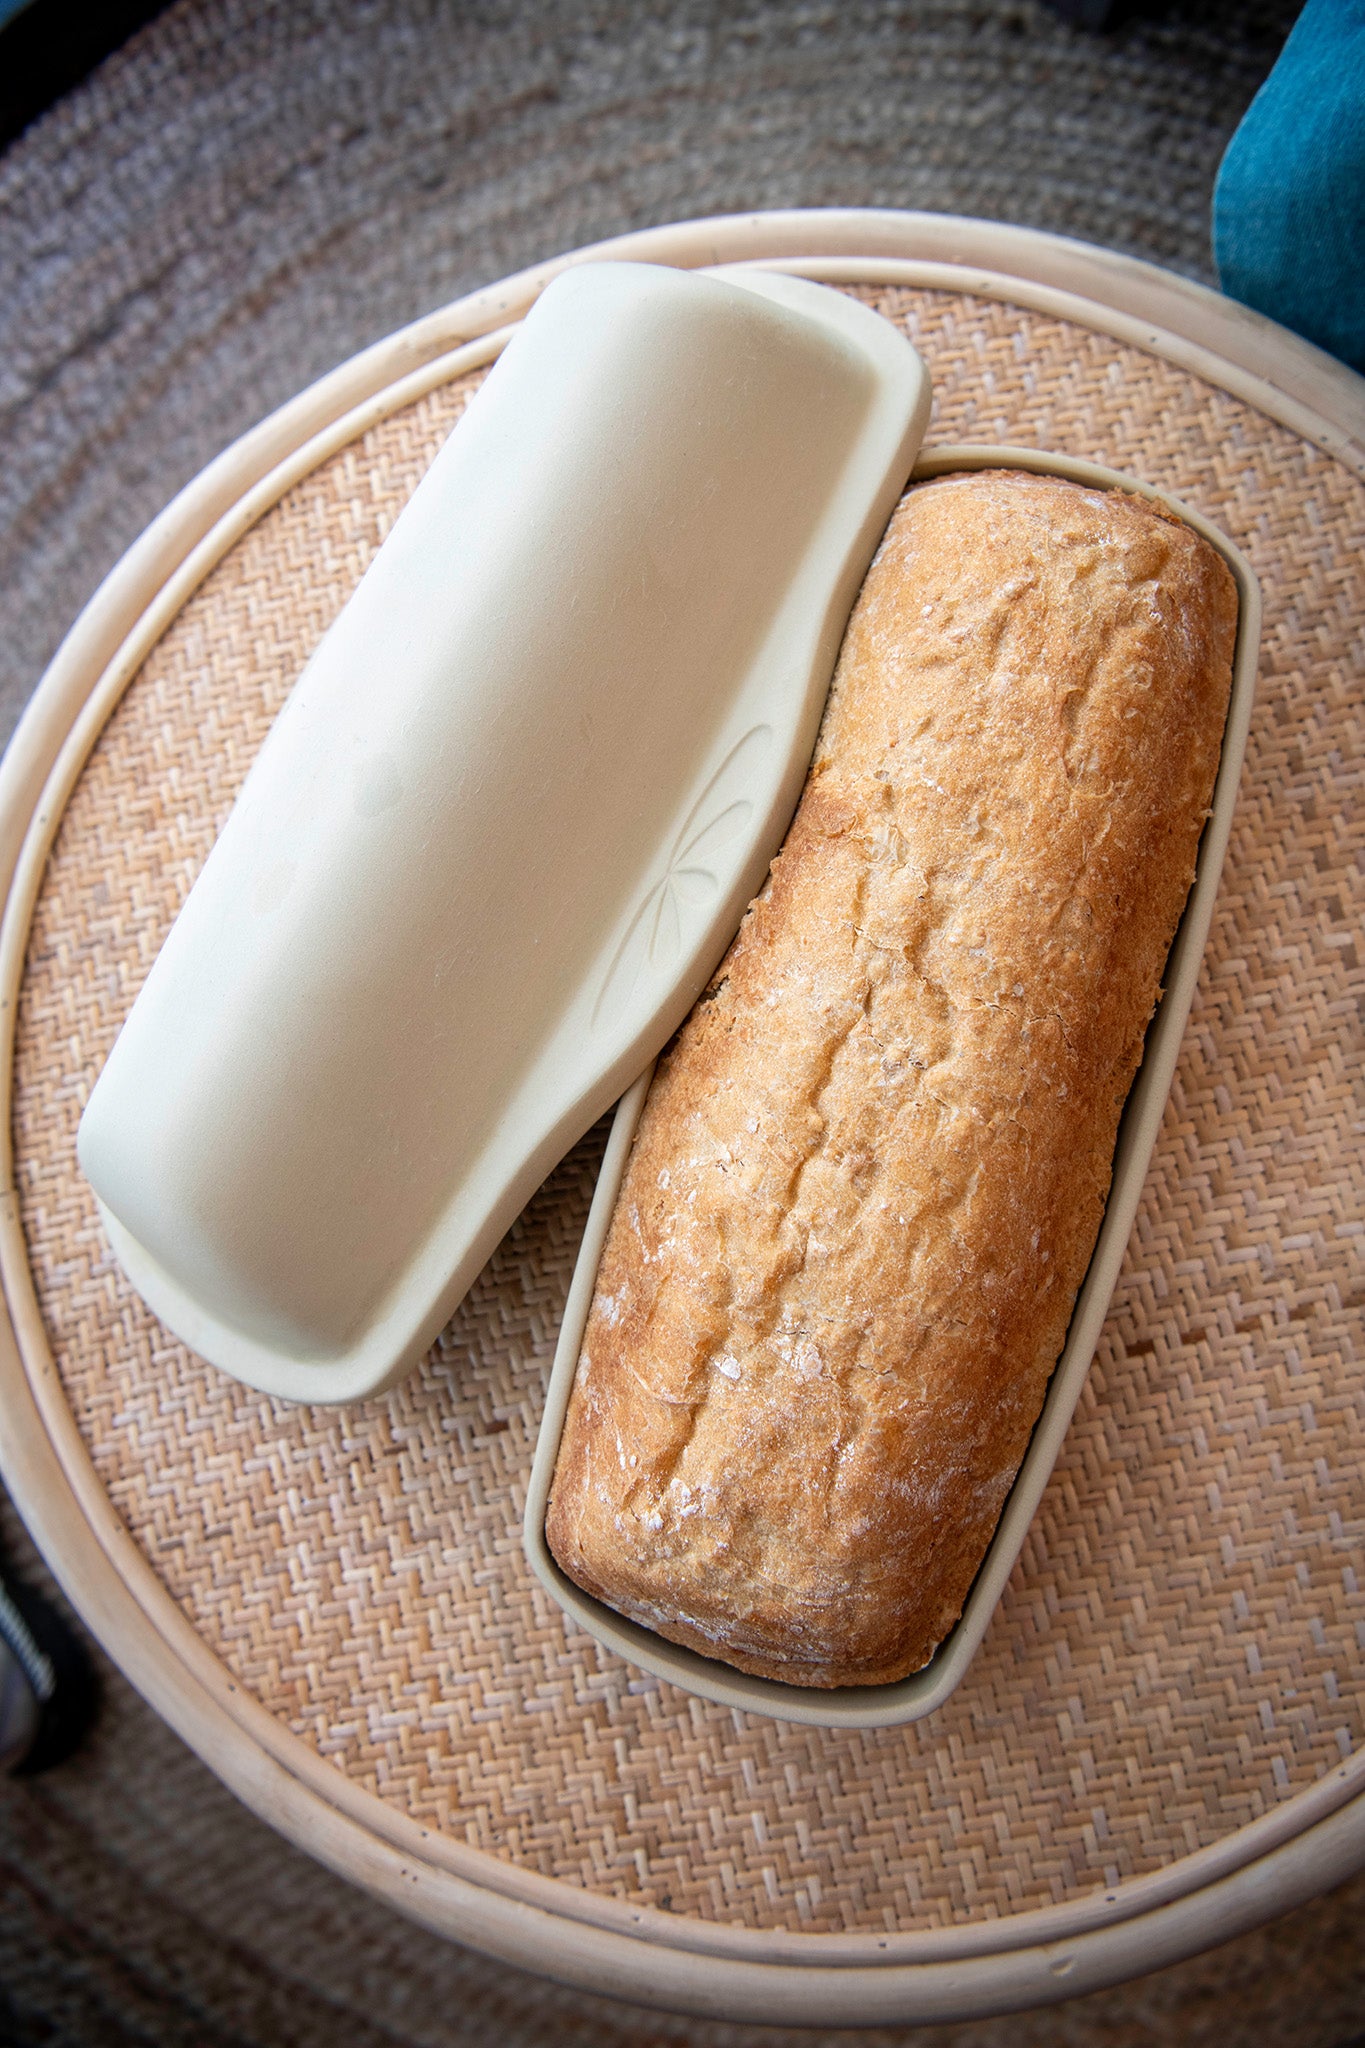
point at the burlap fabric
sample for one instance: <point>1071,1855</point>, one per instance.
<point>1177,1651</point>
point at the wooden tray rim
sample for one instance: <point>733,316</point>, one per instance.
<point>1311,1841</point>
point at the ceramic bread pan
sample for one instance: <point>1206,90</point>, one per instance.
<point>911,1698</point>
<point>507,820</point>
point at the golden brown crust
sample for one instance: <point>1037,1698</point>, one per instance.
<point>872,1166</point>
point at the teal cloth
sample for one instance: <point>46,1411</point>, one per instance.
<point>1289,204</point>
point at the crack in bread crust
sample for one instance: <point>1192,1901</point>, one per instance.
<point>872,1166</point>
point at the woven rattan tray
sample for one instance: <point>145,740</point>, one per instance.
<point>1160,1741</point>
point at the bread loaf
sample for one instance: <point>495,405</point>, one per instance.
<point>872,1166</point>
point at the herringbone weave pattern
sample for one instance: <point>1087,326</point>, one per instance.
<point>1180,1646</point>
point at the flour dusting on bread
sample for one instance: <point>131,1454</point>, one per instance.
<point>870,1173</point>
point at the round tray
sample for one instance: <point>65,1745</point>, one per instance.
<point>1160,1741</point>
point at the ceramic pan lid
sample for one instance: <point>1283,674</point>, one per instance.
<point>508,819</point>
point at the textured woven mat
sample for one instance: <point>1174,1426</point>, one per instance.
<point>1177,1650</point>
<point>256,189</point>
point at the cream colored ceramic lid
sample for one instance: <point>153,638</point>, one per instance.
<point>507,820</point>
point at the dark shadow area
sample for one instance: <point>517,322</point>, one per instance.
<point>52,45</point>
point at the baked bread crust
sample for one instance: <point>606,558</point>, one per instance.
<point>872,1165</point>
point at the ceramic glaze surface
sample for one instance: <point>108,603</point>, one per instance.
<point>507,820</point>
